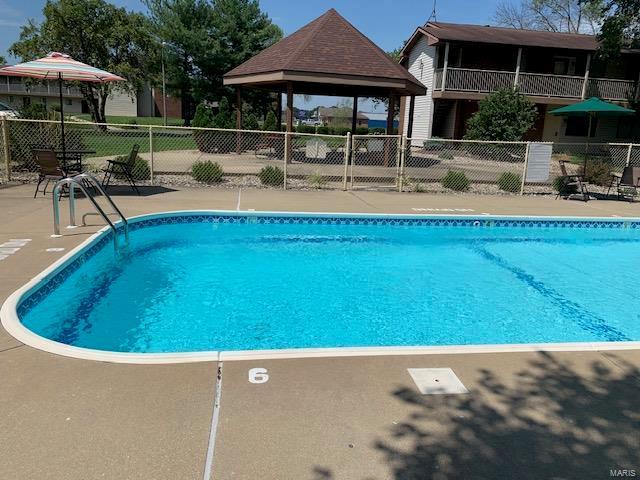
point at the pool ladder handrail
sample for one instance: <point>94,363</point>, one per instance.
<point>82,180</point>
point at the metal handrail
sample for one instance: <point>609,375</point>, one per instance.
<point>77,180</point>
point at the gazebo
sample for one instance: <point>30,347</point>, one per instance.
<point>328,56</point>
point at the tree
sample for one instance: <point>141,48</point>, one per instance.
<point>505,115</point>
<point>271,123</point>
<point>207,39</point>
<point>620,26</point>
<point>574,16</point>
<point>186,28</point>
<point>3,61</point>
<point>94,32</point>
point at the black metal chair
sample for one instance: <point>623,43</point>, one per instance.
<point>626,183</point>
<point>571,184</point>
<point>49,169</point>
<point>123,168</point>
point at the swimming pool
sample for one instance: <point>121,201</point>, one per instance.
<point>228,282</point>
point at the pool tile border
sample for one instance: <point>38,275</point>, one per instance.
<point>21,301</point>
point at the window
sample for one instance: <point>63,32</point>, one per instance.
<point>564,65</point>
<point>68,102</point>
<point>577,127</point>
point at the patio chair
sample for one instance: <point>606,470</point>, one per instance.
<point>49,169</point>
<point>627,183</point>
<point>571,184</point>
<point>124,168</point>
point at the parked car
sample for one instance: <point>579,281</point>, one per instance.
<point>7,111</point>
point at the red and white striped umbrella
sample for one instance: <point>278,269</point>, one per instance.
<point>59,65</point>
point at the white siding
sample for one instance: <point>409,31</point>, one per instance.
<point>121,103</point>
<point>422,60</point>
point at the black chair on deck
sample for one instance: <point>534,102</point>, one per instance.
<point>124,168</point>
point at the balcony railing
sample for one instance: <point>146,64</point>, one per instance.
<point>50,89</point>
<point>535,84</point>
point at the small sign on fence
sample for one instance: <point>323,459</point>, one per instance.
<point>539,162</point>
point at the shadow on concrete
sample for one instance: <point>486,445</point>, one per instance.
<point>145,190</point>
<point>548,421</point>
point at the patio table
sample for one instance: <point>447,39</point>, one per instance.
<point>75,155</point>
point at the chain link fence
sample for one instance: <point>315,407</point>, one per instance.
<point>179,156</point>
<point>376,161</point>
<point>434,165</point>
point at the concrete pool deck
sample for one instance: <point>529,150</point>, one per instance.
<point>528,415</point>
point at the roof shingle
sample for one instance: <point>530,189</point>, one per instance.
<point>327,45</point>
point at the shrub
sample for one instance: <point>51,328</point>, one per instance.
<point>559,185</point>
<point>445,156</point>
<point>271,175</point>
<point>203,117</point>
<point>377,131</point>
<point>250,122</point>
<point>306,129</point>
<point>316,180</point>
<point>322,130</point>
<point>455,181</point>
<point>362,131</point>
<point>510,182</point>
<point>34,111</point>
<point>342,131</point>
<point>598,172</point>
<point>505,115</point>
<point>207,172</point>
<point>270,123</point>
<point>140,170</point>
<point>223,118</point>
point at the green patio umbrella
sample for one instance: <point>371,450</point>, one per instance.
<point>591,108</point>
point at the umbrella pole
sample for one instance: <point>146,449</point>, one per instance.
<point>64,149</point>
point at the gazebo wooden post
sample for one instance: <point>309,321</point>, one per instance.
<point>412,110</point>
<point>279,111</point>
<point>387,141</point>
<point>289,118</point>
<point>354,116</point>
<point>238,120</point>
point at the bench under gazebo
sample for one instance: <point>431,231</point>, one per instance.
<point>328,56</point>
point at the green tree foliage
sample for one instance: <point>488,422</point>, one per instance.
<point>186,28</point>
<point>505,115</point>
<point>250,122</point>
<point>93,32</point>
<point>205,39</point>
<point>573,16</point>
<point>203,117</point>
<point>620,27</point>
<point>224,118</point>
<point>270,123</point>
<point>3,61</point>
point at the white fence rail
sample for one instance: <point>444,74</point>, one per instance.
<point>230,158</point>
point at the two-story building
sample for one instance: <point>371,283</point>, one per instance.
<point>147,102</point>
<point>461,64</point>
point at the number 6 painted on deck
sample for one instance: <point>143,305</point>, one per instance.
<point>258,375</point>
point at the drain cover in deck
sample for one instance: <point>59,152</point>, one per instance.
<point>437,381</point>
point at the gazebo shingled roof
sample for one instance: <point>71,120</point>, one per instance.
<point>327,56</point>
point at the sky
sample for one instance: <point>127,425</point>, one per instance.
<point>387,22</point>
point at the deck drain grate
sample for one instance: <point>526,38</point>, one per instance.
<point>437,381</point>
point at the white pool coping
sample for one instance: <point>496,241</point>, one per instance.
<point>12,324</point>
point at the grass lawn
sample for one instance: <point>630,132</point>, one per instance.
<point>120,143</point>
<point>125,120</point>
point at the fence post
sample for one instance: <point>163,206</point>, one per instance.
<point>524,170</point>
<point>629,150</point>
<point>7,150</point>
<point>347,154</point>
<point>287,140</point>
<point>151,166</point>
<point>353,161</point>
<point>403,154</point>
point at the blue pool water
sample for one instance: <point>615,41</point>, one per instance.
<point>212,285</point>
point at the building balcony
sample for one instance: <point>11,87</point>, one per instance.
<point>49,89</point>
<point>473,81</point>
